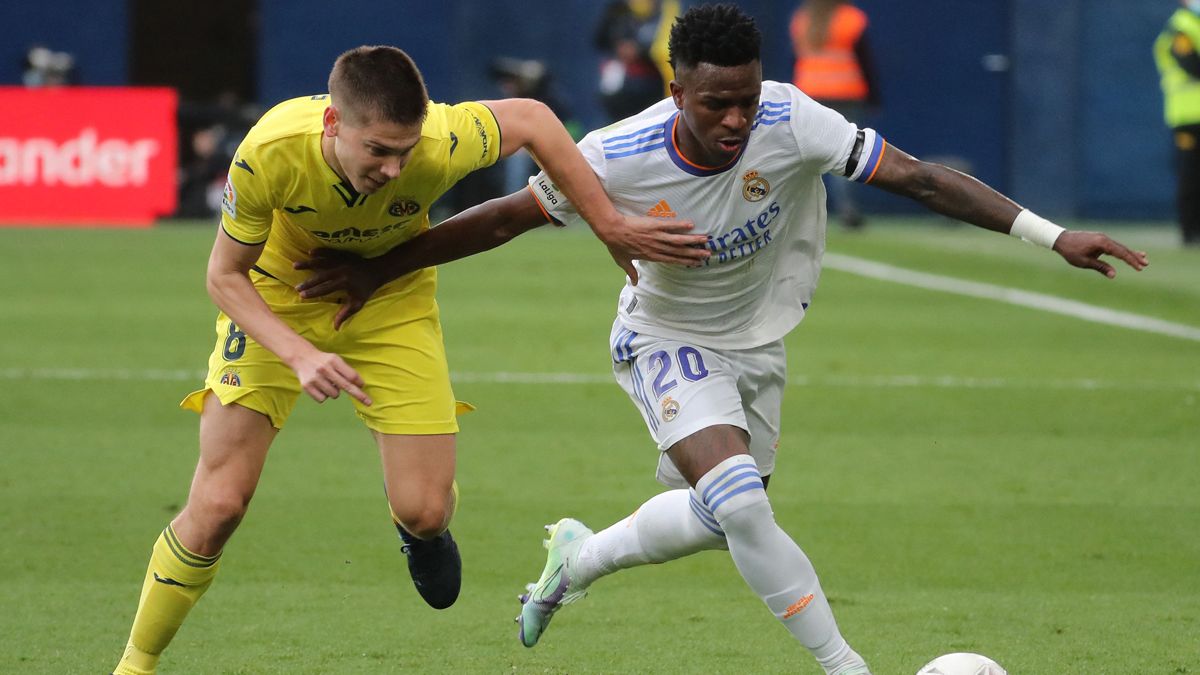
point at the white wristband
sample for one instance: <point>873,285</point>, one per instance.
<point>1035,229</point>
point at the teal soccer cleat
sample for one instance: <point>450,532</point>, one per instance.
<point>553,589</point>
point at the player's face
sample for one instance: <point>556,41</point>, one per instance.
<point>717,106</point>
<point>369,154</point>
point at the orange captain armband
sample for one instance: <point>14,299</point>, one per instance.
<point>865,157</point>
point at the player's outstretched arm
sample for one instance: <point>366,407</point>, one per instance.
<point>525,123</point>
<point>475,230</point>
<point>957,195</point>
<point>321,374</point>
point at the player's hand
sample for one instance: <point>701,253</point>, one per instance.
<point>324,376</point>
<point>1083,249</point>
<point>653,239</point>
<point>336,271</point>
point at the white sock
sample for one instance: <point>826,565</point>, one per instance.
<point>670,525</point>
<point>771,563</point>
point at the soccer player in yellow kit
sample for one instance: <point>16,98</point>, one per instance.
<point>357,170</point>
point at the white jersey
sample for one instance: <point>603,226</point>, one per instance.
<point>763,212</point>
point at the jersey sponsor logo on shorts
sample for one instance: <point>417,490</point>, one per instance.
<point>797,607</point>
<point>743,241</point>
<point>229,199</point>
<point>670,409</point>
<point>662,210</point>
<point>404,206</point>
<point>755,188</point>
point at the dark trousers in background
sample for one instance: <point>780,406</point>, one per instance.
<point>1187,167</point>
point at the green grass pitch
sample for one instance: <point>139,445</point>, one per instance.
<point>966,475</point>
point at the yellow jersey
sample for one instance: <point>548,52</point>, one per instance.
<point>281,191</point>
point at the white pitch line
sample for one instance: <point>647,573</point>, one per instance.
<point>846,381</point>
<point>1048,303</point>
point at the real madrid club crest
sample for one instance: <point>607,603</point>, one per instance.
<point>755,188</point>
<point>670,409</point>
<point>403,206</point>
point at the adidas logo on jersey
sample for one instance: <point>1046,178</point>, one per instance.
<point>662,210</point>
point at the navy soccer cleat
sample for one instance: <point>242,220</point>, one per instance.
<point>435,566</point>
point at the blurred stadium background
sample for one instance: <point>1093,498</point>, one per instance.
<point>967,474</point>
<point>1054,103</point>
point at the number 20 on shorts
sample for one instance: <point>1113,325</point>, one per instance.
<point>691,367</point>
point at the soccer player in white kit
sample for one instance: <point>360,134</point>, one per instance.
<point>699,348</point>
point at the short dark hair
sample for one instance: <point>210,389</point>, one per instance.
<point>722,35</point>
<point>378,83</point>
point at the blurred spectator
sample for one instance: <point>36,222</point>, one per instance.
<point>210,134</point>
<point>630,76</point>
<point>1179,66</point>
<point>833,66</point>
<point>520,78</point>
<point>44,67</point>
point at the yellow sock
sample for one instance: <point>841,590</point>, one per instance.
<point>175,580</point>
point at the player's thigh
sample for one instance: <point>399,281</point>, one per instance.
<point>699,452</point>
<point>234,441</point>
<point>762,378</point>
<point>680,389</point>
<point>418,473</point>
<point>402,360</point>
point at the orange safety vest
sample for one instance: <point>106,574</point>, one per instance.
<point>830,71</point>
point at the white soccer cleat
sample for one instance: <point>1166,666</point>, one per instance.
<point>553,590</point>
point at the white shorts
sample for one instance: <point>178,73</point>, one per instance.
<point>681,388</point>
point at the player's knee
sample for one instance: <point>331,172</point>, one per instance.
<point>733,492</point>
<point>425,521</point>
<point>754,514</point>
<point>220,512</point>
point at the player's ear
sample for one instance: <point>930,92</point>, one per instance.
<point>331,120</point>
<point>677,93</point>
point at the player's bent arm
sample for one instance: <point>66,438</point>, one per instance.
<point>478,229</point>
<point>957,195</point>
<point>473,231</point>
<point>229,286</point>
<point>525,123</point>
<point>227,278</point>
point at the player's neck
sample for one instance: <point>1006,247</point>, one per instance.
<point>330,157</point>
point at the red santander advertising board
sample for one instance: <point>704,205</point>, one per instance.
<point>87,156</point>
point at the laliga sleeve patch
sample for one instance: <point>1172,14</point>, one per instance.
<point>547,192</point>
<point>229,200</point>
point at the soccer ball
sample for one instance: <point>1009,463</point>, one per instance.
<point>962,664</point>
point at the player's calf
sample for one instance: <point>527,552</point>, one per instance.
<point>772,564</point>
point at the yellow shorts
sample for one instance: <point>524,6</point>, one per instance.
<point>394,342</point>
